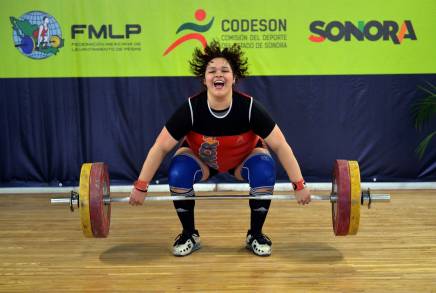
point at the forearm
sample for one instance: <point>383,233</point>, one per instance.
<point>163,145</point>
<point>277,142</point>
<point>289,162</point>
<point>152,162</point>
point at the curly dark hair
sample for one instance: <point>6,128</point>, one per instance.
<point>234,55</point>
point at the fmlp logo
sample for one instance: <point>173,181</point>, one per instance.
<point>37,34</point>
<point>372,30</point>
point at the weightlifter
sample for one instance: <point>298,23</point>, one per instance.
<point>221,130</point>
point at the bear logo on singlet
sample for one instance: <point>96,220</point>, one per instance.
<point>208,151</point>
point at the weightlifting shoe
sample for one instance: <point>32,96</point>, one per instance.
<point>259,244</point>
<point>186,243</point>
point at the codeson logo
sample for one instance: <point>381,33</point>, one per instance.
<point>372,31</point>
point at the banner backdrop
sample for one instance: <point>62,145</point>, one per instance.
<point>99,38</point>
<point>87,81</point>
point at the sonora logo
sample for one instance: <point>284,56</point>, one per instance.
<point>372,30</point>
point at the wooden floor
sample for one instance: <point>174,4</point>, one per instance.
<point>42,249</point>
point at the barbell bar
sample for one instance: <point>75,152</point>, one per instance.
<point>366,197</point>
<point>94,201</point>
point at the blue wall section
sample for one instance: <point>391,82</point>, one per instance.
<point>51,126</point>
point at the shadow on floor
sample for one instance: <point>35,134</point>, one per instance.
<point>131,254</point>
<point>309,252</point>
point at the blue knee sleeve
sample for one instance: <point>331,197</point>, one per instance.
<point>260,172</point>
<point>184,171</point>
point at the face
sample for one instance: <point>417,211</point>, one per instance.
<point>219,77</point>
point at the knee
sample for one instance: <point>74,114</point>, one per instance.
<point>183,172</point>
<point>259,170</point>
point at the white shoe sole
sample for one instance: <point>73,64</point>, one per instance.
<point>177,252</point>
<point>259,252</point>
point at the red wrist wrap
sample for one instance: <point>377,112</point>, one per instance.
<point>299,185</point>
<point>141,185</point>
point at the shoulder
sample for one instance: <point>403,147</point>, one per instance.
<point>242,99</point>
<point>198,98</point>
<point>242,96</point>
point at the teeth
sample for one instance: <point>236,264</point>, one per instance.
<point>218,82</point>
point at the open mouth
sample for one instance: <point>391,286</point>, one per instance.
<point>218,84</point>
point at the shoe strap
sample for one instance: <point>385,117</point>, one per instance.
<point>182,237</point>
<point>261,239</point>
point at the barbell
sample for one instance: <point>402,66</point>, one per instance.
<point>94,201</point>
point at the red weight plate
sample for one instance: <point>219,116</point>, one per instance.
<point>341,186</point>
<point>99,189</point>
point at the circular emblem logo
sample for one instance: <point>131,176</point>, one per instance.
<point>37,34</point>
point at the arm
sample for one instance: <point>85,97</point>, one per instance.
<point>41,27</point>
<point>163,145</point>
<point>278,144</point>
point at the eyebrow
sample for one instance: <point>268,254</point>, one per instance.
<point>214,67</point>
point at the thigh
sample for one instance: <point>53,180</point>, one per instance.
<point>203,166</point>
<point>238,169</point>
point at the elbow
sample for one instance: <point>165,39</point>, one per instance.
<point>274,148</point>
<point>162,148</point>
<point>281,148</point>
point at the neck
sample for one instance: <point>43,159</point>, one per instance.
<point>219,103</point>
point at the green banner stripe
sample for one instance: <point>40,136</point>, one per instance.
<point>80,38</point>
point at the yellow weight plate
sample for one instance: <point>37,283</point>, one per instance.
<point>84,199</point>
<point>55,41</point>
<point>355,197</point>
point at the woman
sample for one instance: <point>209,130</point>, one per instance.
<point>221,130</point>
